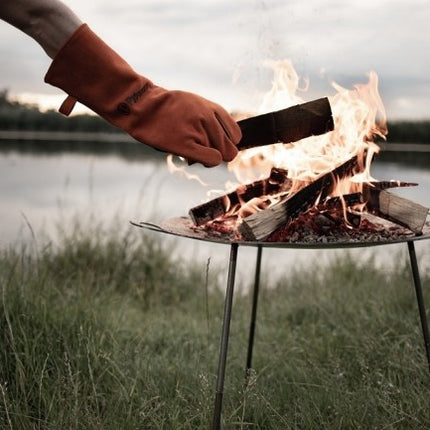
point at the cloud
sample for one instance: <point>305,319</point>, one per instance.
<point>218,47</point>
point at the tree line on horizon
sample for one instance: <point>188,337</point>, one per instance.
<point>16,115</point>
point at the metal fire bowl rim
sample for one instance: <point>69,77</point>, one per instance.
<point>183,227</point>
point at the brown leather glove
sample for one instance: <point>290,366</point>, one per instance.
<point>177,122</point>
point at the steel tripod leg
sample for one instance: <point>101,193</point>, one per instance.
<point>228,304</point>
<point>254,310</point>
<point>420,299</point>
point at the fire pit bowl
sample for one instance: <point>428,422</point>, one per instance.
<point>184,227</point>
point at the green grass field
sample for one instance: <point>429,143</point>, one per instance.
<point>109,331</point>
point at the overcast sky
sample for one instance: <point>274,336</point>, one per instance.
<point>217,48</point>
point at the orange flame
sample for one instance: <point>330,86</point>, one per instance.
<point>173,168</point>
<point>358,114</point>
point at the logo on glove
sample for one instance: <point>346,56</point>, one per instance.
<point>124,107</point>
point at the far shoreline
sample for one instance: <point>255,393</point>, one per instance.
<point>103,137</point>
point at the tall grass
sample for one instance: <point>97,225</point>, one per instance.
<point>106,330</point>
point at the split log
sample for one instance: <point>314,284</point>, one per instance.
<point>287,125</point>
<point>208,211</point>
<point>396,209</point>
<point>260,225</point>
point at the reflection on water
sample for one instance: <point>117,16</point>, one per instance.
<point>46,188</point>
<point>46,184</point>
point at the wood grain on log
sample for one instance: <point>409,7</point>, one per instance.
<point>397,209</point>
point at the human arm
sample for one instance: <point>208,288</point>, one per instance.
<point>48,22</point>
<point>90,72</point>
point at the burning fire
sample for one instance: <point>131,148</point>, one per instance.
<point>318,189</point>
<point>359,116</point>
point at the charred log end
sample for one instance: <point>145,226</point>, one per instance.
<point>246,231</point>
<point>204,213</point>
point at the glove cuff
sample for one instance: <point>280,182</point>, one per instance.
<point>90,72</point>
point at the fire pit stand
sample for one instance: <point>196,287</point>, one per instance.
<point>182,227</point>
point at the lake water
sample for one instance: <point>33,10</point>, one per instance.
<point>41,189</point>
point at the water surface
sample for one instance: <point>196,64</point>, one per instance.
<point>43,186</point>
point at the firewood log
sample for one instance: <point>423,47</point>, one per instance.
<point>208,211</point>
<point>397,209</point>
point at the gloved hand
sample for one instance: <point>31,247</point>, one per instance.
<point>177,122</point>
